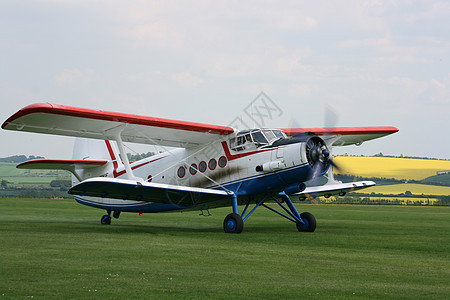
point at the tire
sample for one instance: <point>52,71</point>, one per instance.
<point>310,223</point>
<point>233,223</point>
<point>106,220</point>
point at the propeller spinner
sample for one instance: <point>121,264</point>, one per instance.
<point>319,157</point>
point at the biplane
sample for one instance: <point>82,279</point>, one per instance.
<point>205,166</point>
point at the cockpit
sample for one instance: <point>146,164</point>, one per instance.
<point>255,138</point>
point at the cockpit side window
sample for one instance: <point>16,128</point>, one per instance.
<point>241,142</point>
<point>269,135</point>
<point>259,138</point>
<point>251,139</point>
<point>279,133</point>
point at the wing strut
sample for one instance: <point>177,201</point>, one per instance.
<point>116,135</point>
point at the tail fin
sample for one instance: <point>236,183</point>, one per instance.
<point>91,158</point>
<point>90,149</point>
<point>96,150</point>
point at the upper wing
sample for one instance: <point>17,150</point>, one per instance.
<point>97,124</point>
<point>343,136</point>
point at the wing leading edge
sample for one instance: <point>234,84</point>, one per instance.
<point>336,188</point>
<point>97,124</point>
<point>343,136</point>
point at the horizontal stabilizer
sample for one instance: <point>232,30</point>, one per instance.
<point>336,188</point>
<point>59,164</point>
<point>72,165</point>
<point>146,191</point>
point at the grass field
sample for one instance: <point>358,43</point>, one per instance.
<point>18,177</point>
<point>388,167</point>
<point>58,249</point>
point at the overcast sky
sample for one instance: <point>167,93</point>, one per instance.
<point>375,62</point>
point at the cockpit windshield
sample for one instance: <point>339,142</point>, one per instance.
<point>255,138</point>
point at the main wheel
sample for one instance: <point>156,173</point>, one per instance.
<point>106,220</point>
<point>233,223</point>
<point>310,222</point>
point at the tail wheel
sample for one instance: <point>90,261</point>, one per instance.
<point>309,223</point>
<point>106,220</point>
<point>233,223</point>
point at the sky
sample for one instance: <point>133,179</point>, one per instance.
<point>375,63</point>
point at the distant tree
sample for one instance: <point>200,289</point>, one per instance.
<point>4,184</point>
<point>137,156</point>
<point>18,158</point>
<point>408,193</point>
<point>64,184</point>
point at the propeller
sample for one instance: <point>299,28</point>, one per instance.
<point>318,154</point>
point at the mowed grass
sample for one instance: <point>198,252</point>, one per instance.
<point>58,249</point>
<point>389,167</point>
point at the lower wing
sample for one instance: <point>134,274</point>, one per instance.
<point>146,191</point>
<point>336,188</point>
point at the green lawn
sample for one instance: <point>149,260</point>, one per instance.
<point>58,249</point>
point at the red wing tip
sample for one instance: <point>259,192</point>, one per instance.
<point>35,107</point>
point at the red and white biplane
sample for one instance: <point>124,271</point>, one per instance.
<point>211,166</point>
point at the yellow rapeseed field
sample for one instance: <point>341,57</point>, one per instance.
<point>402,200</point>
<point>388,167</point>
<point>417,189</point>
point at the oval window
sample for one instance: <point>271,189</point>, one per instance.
<point>181,172</point>
<point>222,161</point>
<point>202,166</point>
<point>149,178</point>
<point>193,169</point>
<point>212,164</point>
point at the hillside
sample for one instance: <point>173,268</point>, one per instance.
<point>398,179</point>
<point>389,167</point>
<point>32,183</point>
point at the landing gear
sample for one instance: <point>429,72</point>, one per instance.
<point>309,223</point>
<point>233,223</point>
<point>106,220</point>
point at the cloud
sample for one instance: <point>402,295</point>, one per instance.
<point>301,90</point>
<point>75,76</point>
<point>440,91</point>
<point>186,79</point>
